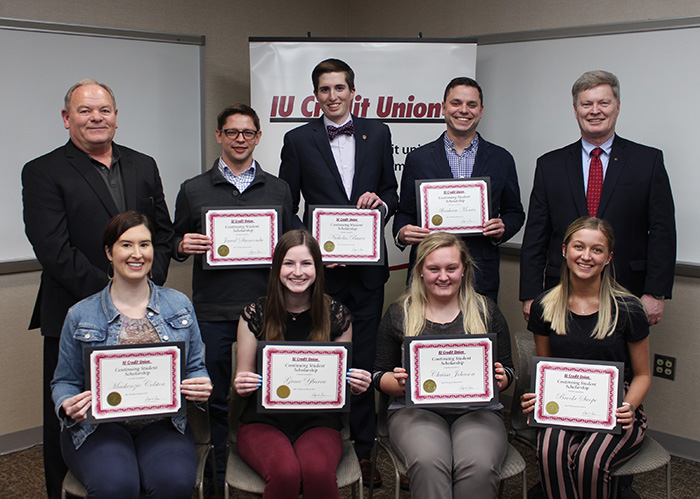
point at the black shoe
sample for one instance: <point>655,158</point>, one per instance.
<point>404,483</point>
<point>626,492</point>
<point>536,492</point>
<point>366,467</point>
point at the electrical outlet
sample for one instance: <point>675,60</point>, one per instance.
<point>664,366</point>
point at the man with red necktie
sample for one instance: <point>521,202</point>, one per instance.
<point>612,178</point>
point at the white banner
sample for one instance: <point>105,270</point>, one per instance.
<point>400,83</point>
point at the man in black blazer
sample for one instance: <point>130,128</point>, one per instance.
<point>69,195</point>
<point>635,198</point>
<point>354,167</point>
<point>460,152</point>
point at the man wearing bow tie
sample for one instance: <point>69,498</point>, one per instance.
<point>340,159</point>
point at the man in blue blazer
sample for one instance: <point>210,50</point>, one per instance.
<point>460,152</point>
<point>340,159</point>
<point>635,199</point>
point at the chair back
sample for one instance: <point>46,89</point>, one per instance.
<point>236,403</point>
<point>524,351</point>
<point>198,419</point>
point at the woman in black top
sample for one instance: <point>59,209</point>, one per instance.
<point>589,316</point>
<point>304,448</point>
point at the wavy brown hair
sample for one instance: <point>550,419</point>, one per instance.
<point>275,320</point>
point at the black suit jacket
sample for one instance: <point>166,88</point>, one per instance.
<point>66,207</point>
<point>430,162</point>
<point>636,200</point>
<point>309,168</point>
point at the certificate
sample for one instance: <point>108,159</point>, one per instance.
<point>444,371</point>
<point>348,235</point>
<point>241,237</point>
<point>459,206</point>
<point>577,394</point>
<point>130,381</point>
<point>303,376</point>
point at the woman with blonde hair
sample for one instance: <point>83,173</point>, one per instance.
<point>589,316</point>
<point>456,451</point>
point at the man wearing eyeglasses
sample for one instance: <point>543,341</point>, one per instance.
<point>235,180</point>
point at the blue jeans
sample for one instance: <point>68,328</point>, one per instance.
<point>113,463</point>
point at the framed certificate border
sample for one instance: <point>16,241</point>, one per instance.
<point>134,354</point>
<point>376,248</point>
<point>615,371</point>
<point>481,184</point>
<point>266,349</point>
<point>219,257</point>
<point>414,394</point>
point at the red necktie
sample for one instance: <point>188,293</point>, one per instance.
<point>595,182</point>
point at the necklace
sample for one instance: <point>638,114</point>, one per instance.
<point>294,315</point>
<point>583,310</point>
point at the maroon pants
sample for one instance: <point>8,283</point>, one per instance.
<point>309,464</point>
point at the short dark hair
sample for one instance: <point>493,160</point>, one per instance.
<point>122,222</point>
<point>237,109</point>
<point>463,80</point>
<point>333,66</point>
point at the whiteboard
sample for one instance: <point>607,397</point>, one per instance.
<point>528,105</point>
<point>158,91</point>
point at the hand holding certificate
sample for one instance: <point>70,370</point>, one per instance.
<point>303,376</point>
<point>448,371</point>
<point>241,236</point>
<point>348,235</point>
<point>459,206</point>
<point>582,395</point>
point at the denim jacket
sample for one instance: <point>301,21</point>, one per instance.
<point>95,321</point>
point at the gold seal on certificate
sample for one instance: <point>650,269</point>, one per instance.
<point>114,399</point>
<point>445,371</point>
<point>240,237</point>
<point>303,376</point>
<point>348,235</point>
<point>134,381</point>
<point>578,394</point>
<point>459,206</point>
<point>552,407</point>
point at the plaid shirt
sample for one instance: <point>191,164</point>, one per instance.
<point>462,165</point>
<point>240,182</point>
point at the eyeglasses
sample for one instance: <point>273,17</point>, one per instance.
<point>233,134</point>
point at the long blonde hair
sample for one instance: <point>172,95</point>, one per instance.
<point>555,304</point>
<point>415,300</point>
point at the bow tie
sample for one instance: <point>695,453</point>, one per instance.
<point>334,131</point>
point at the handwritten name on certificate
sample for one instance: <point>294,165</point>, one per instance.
<point>128,382</point>
<point>241,237</point>
<point>458,206</point>
<point>348,235</point>
<point>450,371</point>
<point>577,394</point>
<point>303,376</point>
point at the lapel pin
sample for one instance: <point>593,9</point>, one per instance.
<point>364,137</point>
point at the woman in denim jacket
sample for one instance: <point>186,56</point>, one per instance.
<point>118,459</point>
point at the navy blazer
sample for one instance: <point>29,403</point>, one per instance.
<point>430,162</point>
<point>636,200</point>
<point>66,208</point>
<point>309,168</point>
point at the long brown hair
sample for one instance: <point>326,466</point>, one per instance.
<point>555,304</point>
<point>275,321</point>
<point>415,301</point>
